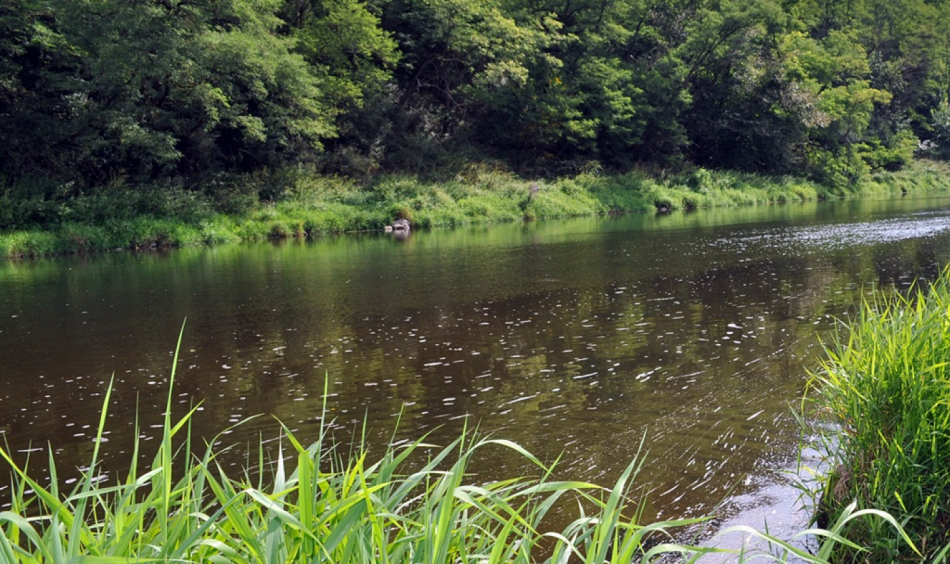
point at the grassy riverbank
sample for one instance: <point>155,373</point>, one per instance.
<point>300,205</point>
<point>886,384</point>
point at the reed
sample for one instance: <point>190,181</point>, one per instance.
<point>886,384</point>
<point>414,504</point>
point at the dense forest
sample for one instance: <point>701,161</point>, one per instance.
<point>97,93</point>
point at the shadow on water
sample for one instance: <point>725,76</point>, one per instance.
<point>572,338</point>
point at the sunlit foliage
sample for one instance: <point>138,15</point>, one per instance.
<point>106,93</point>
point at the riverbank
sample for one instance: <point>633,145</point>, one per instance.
<point>886,386</point>
<point>298,205</point>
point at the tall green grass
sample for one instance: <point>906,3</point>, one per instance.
<point>415,504</point>
<point>294,203</point>
<point>886,383</point>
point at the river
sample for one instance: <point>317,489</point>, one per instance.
<point>573,338</point>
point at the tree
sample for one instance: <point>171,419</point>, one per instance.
<point>832,75</point>
<point>742,114</point>
<point>352,58</point>
<point>109,90</point>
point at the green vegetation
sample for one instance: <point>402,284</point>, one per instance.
<point>220,101</point>
<point>304,205</point>
<point>327,509</point>
<point>886,383</point>
<point>417,503</point>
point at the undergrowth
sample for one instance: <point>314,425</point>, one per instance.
<point>296,204</point>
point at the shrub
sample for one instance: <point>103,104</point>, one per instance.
<point>886,384</point>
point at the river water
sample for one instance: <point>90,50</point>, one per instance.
<point>573,338</point>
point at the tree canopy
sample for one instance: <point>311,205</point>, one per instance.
<point>94,92</point>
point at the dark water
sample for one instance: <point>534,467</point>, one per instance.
<point>573,338</point>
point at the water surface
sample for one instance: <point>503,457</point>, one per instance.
<point>573,338</point>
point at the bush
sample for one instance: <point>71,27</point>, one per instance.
<point>886,384</point>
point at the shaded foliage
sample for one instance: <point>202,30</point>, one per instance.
<point>108,93</point>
